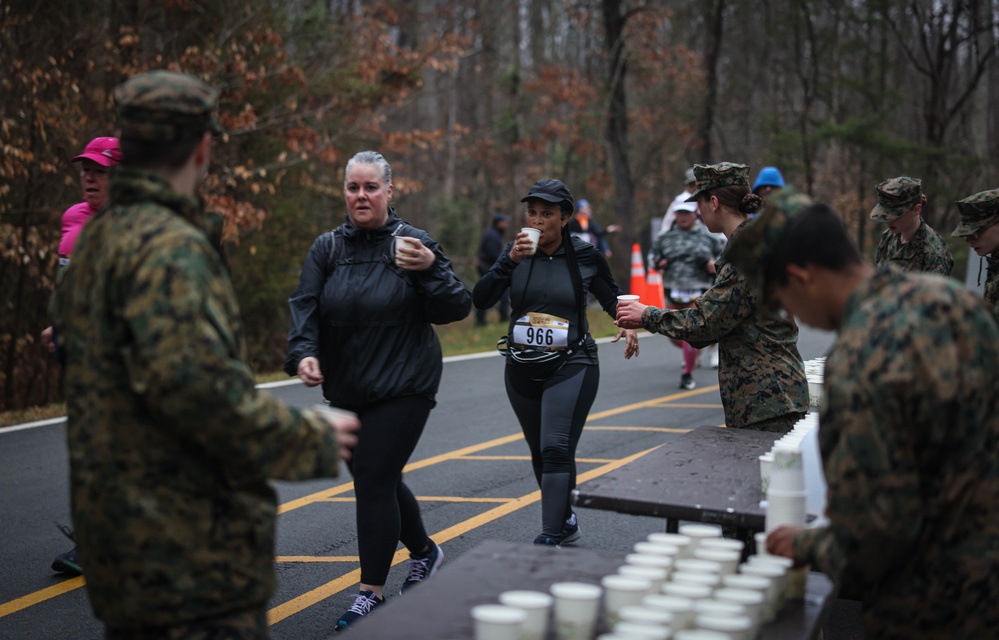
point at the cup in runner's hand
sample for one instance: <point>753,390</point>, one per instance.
<point>400,242</point>
<point>534,235</point>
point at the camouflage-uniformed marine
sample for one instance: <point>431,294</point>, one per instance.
<point>909,437</point>
<point>688,252</point>
<point>760,371</point>
<point>978,213</point>
<point>170,444</point>
<point>925,251</point>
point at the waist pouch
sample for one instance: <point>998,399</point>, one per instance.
<point>537,364</point>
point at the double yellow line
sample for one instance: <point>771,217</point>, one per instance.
<point>314,596</point>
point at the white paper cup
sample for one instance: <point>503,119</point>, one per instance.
<point>640,614</point>
<point>536,605</point>
<point>681,608</point>
<point>639,631</point>
<point>761,544</point>
<point>722,543</point>
<point>576,606</point>
<point>727,558</point>
<point>626,297</point>
<point>400,242</point>
<point>697,565</point>
<point>621,591</point>
<point>683,543</point>
<point>712,606</point>
<point>738,627</point>
<point>656,549</point>
<point>769,558</point>
<point>496,622</point>
<point>774,572</point>
<point>787,473</point>
<point>760,584</point>
<point>785,508</point>
<point>700,634</point>
<point>535,236</point>
<point>709,580</point>
<point>648,560</point>
<point>766,468</point>
<point>696,532</point>
<point>655,575</point>
<point>693,592</point>
<point>753,601</point>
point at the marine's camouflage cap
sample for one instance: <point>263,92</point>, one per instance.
<point>895,197</point>
<point>750,251</point>
<point>723,174</point>
<point>165,107</point>
<point>977,212</point>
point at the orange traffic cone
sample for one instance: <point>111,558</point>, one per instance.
<point>654,294</point>
<point>637,272</point>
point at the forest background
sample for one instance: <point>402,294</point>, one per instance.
<point>471,101</point>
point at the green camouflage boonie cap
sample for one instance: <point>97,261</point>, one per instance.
<point>751,250</point>
<point>165,107</point>
<point>723,174</point>
<point>978,212</point>
<point>895,197</point>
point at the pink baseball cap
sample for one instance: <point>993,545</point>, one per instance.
<point>103,151</point>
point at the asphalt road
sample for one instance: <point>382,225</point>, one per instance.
<point>470,471</point>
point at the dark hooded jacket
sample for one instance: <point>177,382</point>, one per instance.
<point>368,321</point>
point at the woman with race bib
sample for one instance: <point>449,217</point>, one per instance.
<point>685,255</point>
<point>552,372</point>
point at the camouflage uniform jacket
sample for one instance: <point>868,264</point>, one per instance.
<point>992,283</point>
<point>759,370</point>
<point>925,251</point>
<point>687,252</point>
<point>909,431</point>
<point>170,444</point>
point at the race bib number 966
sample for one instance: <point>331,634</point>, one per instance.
<point>541,331</point>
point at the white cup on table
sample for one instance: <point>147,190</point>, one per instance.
<point>737,627</point>
<point>657,549</point>
<point>753,601</point>
<point>693,592</point>
<point>697,565</point>
<point>727,558</point>
<point>655,575</point>
<point>639,631</point>
<point>648,560</point>
<point>496,622</point>
<point>683,543</point>
<point>709,580</point>
<point>621,591</point>
<point>536,605</point>
<point>697,532</point>
<point>764,586</point>
<point>700,634</point>
<point>681,608</point>
<point>715,607</point>
<point>576,607</point>
<point>640,614</point>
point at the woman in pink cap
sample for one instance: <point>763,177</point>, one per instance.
<point>95,171</point>
<point>97,159</point>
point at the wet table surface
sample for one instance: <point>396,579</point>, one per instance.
<point>440,608</point>
<point>709,474</point>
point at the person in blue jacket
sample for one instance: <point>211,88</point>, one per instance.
<point>361,327</point>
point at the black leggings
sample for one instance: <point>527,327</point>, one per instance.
<point>387,511</point>
<point>551,415</point>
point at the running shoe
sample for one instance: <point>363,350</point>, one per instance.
<point>547,541</point>
<point>366,601</point>
<point>570,530</point>
<point>422,567</point>
<point>68,562</point>
<point>687,382</point>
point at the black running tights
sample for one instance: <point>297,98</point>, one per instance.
<point>387,511</point>
<point>551,414</point>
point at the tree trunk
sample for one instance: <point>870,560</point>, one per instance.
<point>617,118</point>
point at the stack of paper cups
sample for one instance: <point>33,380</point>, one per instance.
<point>786,494</point>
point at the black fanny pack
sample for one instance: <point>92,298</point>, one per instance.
<point>539,364</point>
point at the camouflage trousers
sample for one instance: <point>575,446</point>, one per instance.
<point>779,424</point>
<point>243,625</point>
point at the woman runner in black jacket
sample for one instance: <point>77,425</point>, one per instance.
<point>552,373</point>
<point>361,327</point>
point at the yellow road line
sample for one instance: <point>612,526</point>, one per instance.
<point>317,595</point>
<point>653,429</point>
<point>649,403</point>
<point>671,405</point>
<point>317,558</point>
<point>41,595</point>
<point>524,458</point>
